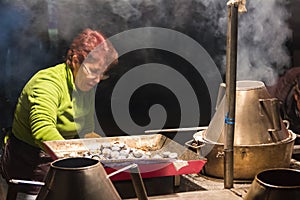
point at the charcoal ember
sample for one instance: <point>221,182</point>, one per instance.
<point>106,145</point>
<point>173,155</point>
<point>145,156</point>
<point>138,153</point>
<point>100,147</point>
<point>131,156</point>
<point>95,151</point>
<point>106,152</point>
<point>122,157</point>
<point>115,148</point>
<point>119,145</point>
<point>166,154</point>
<point>148,153</point>
<point>130,149</point>
<point>114,154</point>
<point>157,156</point>
<point>86,154</point>
<point>73,154</point>
<point>124,152</point>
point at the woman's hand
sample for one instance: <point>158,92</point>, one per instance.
<point>92,135</point>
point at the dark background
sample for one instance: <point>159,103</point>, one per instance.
<point>35,35</point>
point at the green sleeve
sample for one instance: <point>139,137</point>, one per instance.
<point>44,98</point>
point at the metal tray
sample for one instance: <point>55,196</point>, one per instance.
<point>187,162</point>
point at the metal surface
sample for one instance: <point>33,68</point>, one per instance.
<point>77,178</point>
<point>122,170</point>
<point>187,162</point>
<point>68,148</point>
<point>231,61</point>
<point>154,144</point>
<point>138,183</point>
<point>175,130</point>
<point>137,180</point>
<point>275,184</point>
<point>261,139</point>
<point>248,159</point>
<point>254,120</point>
<point>18,181</point>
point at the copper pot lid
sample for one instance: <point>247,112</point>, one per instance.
<point>257,118</point>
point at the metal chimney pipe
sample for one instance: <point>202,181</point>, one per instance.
<point>231,62</point>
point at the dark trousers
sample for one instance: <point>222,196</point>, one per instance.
<point>23,161</point>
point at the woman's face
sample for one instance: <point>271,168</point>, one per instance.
<point>89,75</point>
<point>297,99</point>
<point>92,70</point>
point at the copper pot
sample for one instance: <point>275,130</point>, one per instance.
<point>275,184</point>
<point>257,117</point>
<point>77,178</point>
<point>261,138</point>
<point>248,159</point>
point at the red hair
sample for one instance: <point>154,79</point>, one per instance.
<point>83,44</point>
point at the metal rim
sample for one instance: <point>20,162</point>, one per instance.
<point>200,136</point>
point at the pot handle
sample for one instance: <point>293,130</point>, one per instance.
<point>270,109</point>
<point>197,148</point>
<point>18,181</point>
<point>286,123</point>
<point>188,144</point>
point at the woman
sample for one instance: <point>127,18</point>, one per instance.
<point>287,90</point>
<point>56,104</point>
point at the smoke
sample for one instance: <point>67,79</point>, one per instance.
<point>25,25</point>
<point>263,35</point>
<point>263,30</point>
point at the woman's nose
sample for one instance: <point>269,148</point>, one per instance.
<point>98,78</point>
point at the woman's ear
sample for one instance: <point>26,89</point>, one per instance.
<point>75,65</point>
<point>75,62</point>
<point>296,96</point>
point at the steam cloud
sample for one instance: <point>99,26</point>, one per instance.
<point>263,32</point>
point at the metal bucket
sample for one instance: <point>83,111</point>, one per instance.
<point>261,138</point>
<point>257,119</point>
<point>275,184</point>
<point>77,178</point>
<point>248,159</point>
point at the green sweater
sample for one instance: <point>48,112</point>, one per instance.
<point>50,108</point>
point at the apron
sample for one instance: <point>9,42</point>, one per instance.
<point>23,161</point>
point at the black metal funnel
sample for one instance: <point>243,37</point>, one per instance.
<point>77,178</point>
